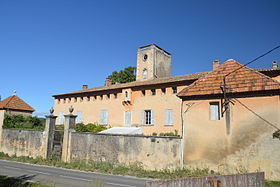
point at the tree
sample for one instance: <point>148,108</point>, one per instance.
<point>123,76</point>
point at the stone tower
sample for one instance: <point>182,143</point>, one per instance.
<point>152,62</point>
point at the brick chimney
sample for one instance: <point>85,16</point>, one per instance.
<point>85,87</point>
<point>216,64</point>
<point>108,82</point>
<point>274,65</point>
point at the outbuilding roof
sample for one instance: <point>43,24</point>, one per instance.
<point>15,103</point>
<point>244,79</point>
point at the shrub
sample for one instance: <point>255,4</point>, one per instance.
<point>90,127</point>
<point>23,122</point>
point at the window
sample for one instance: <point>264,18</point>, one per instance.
<point>163,91</point>
<point>127,118</point>
<point>108,96</point>
<point>168,117</point>
<point>126,95</point>
<point>101,97</point>
<point>143,92</point>
<point>153,92</point>
<point>75,99</point>
<point>174,90</point>
<point>64,100</point>
<point>115,95</point>
<point>79,118</point>
<point>61,118</point>
<point>145,74</point>
<point>103,117</point>
<point>81,99</point>
<point>147,117</point>
<point>94,97</point>
<point>214,111</point>
<point>88,98</point>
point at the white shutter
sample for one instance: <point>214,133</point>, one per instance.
<point>127,118</point>
<point>152,118</point>
<point>142,117</point>
<point>168,117</point>
<point>61,118</point>
<point>214,111</point>
<point>101,117</point>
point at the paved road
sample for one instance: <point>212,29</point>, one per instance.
<point>66,177</point>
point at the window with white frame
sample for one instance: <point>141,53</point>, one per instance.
<point>79,118</point>
<point>127,118</point>
<point>214,111</point>
<point>103,117</point>
<point>61,118</point>
<point>145,74</point>
<point>147,117</point>
<point>168,117</point>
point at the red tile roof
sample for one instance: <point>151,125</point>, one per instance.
<point>14,102</point>
<point>242,80</point>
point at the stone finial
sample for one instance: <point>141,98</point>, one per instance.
<point>71,109</point>
<point>14,92</point>
<point>51,110</point>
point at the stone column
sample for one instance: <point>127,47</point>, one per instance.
<point>69,125</point>
<point>49,135</point>
<point>2,115</point>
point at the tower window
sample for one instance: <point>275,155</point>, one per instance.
<point>143,92</point>
<point>145,57</point>
<point>153,92</point>
<point>145,73</point>
<point>163,91</point>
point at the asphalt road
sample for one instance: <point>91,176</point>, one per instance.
<point>66,177</point>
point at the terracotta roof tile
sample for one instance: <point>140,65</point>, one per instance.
<point>16,103</point>
<point>242,80</point>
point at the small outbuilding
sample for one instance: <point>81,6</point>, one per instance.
<point>15,105</point>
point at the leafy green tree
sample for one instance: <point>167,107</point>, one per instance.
<point>123,76</point>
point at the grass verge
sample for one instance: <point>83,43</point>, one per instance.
<point>10,181</point>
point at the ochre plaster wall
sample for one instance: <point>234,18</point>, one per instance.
<point>151,152</point>
<point>116,108</point>
<point>248,147</point>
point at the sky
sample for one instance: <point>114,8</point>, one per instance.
<point>50,47</point>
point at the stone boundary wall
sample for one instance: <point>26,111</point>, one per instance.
<point>22,142</point>
<point>151,152</point>
<point>250,179</point>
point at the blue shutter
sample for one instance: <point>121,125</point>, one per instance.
<point>127,118</point>
<point>79,118</point>
<point>152,118</point>
<point>166,117</point>
<point>101,117</point>
<point>61,118</point>
<point>142,117</point>
<point>106,117</point>
<point>171,117</point>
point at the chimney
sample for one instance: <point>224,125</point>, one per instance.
<point>216,64</point>
<point>274,65</point>
<point>108,82</point>
<point>85,87</point>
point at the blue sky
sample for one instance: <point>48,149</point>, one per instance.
<point>56,46</point>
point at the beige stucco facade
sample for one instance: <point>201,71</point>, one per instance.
<point>248,146</point>
<point>92,106</point>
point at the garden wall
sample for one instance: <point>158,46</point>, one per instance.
<point>152,152</point>
<point>22,142</point>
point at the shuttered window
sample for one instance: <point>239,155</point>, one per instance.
<point>168,117</point>
<point>147,117</point>
<point>104,117</point>
<point>79,118</point>
<point>214,111</point>
<point>127,118</point>
<point>61,118</point>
